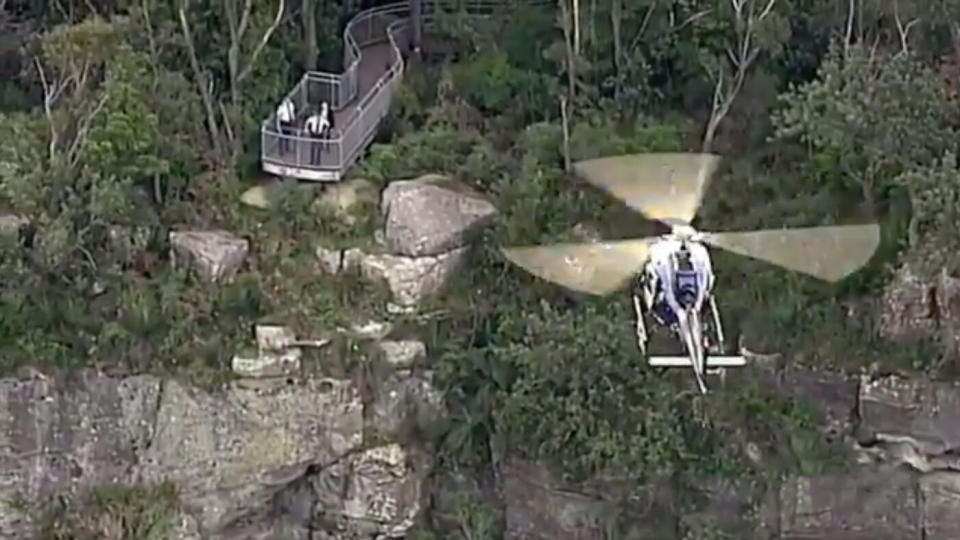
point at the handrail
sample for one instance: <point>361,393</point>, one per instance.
<point>345,87</point>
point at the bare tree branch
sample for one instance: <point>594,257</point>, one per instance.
<point>244,19</point>
<point>198,75</point>
<point>263,43</point>
<point>851,9</point>
<point>566,132</point>
<point>903,31</point>
<point>741,60</point>
<point>80,139</point>
<point>226,121</point>
<point>50,95</point>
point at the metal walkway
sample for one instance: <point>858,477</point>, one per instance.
<point>375,43</point>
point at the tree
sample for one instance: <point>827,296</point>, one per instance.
<point>868,116</point>
<point>934,195</point>
<point>238,68</point>
<point>750,21</point>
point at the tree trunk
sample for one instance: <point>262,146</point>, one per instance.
<point>203,86</point>
<point>568,41</point>
<point>616,10</point>
<point>566,133</point>
<point>576,27</point>
<point>308,14</point>
<point>416,26</point>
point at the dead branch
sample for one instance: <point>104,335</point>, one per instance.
<point>568,43</point>
<point>576,27</point>
<point>643,27</point>
<point>263,42</point>
<point>198,75</point>
<point>903,31</point>
<point>741,59</point>
<point>849,34</point>
<point>151,39</point>
<point>51,92</point>
<point>245,18</point>
<point>566,132</point>
<point>226,121</point>
<point>80,139</point>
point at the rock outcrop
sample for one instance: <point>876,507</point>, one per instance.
<point>917,306</point>
<point>432,215</point>
<point>215,255</point>
<point>429,224</point>
<point>409,279</point>
<point>249,463</point>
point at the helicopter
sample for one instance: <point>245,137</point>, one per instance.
<point>673,272</point>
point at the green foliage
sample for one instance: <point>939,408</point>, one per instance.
<point>867,116</point>
<point>490,83</point>
<point>486,81</point>
<point>115,512</point>
<point>787,429</point>
<point>934,232</point>
<point>440,149</point>
<point>124,140</point>
<point>599,139</point>
<point>476,520</point>
<point>580,397</point>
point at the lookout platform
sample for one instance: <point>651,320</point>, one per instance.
<point>375,45</point>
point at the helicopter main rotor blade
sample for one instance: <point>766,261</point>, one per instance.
<point>829,253</point>
<point>662,186</point>
<point>598,268</point>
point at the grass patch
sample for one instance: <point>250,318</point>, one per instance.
<point>114,512</point>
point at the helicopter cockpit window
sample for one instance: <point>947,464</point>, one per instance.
<point>687,288</point>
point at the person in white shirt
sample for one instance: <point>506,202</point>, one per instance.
<point>317,126</point>
<point>285,116</point>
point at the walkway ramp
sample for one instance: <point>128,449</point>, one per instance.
<point>375,45</point>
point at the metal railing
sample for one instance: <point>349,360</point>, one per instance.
<point>326,158</point>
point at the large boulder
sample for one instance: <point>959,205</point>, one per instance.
<point>215,255</point>
<point>409,279</point>
<point>432,215</point>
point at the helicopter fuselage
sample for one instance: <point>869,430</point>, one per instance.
<point>678,275</point>
<point>676,287</point>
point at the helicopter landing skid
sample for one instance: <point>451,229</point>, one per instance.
<point>684,361</point>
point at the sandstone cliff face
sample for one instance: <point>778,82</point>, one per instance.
<point>246,460</point>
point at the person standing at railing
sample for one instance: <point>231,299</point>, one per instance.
<point>317,126</point>
<point>285,116</point>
